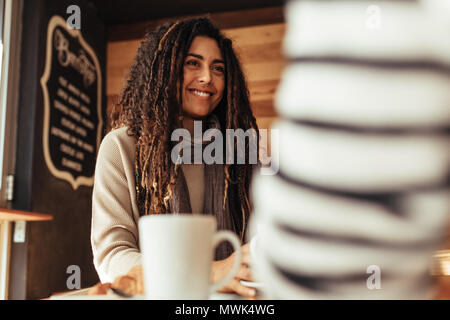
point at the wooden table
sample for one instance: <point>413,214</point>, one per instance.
<point>19,215</point>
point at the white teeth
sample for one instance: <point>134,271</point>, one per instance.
<point>202,94</point>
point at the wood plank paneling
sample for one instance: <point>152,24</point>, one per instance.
<point>263,71</point>
<point>268,33</point>
<point>261,52</point>
<point>120,55</point>
<point>262,90</point>
<point>263,109</point>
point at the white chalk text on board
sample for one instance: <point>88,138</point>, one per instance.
<point>71,86</point>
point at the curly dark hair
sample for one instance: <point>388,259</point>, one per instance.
<point>149,107</point>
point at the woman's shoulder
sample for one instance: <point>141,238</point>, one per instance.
<point>119,136</point>
<point>117,144</point>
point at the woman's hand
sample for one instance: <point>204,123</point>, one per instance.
<point>221,268</point>
<point>131,283</point>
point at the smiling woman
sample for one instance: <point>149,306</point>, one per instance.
<point>183,71</point>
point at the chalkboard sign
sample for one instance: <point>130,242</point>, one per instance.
<point>71,85</point>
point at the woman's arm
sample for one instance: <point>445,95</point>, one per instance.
<point>114,232</point>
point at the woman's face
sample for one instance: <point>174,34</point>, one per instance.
<point>204,78</point>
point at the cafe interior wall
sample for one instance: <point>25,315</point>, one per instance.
<point>40,265</point>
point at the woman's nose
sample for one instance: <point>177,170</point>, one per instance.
<point>205,75</point>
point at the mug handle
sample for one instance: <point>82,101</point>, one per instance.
<point>224,235</point>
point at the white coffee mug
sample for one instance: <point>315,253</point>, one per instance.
<point>177,254</point>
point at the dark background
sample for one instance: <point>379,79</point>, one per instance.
<point>114,12</point>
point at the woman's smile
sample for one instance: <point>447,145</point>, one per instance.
<point>201,94</point>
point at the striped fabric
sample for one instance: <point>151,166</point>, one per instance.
<point>362,196</point>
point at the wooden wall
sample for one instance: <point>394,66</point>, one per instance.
<point>258,43</point>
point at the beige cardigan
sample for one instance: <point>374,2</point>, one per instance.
<point>115,215</point>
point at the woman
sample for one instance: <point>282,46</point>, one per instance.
<point>183,72</point>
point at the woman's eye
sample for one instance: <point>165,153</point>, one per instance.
<point>192,63</point>
<point>219,68</point>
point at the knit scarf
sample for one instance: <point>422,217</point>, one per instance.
<point>213,196</point>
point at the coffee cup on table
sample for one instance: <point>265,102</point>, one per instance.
<point>177,255</point>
